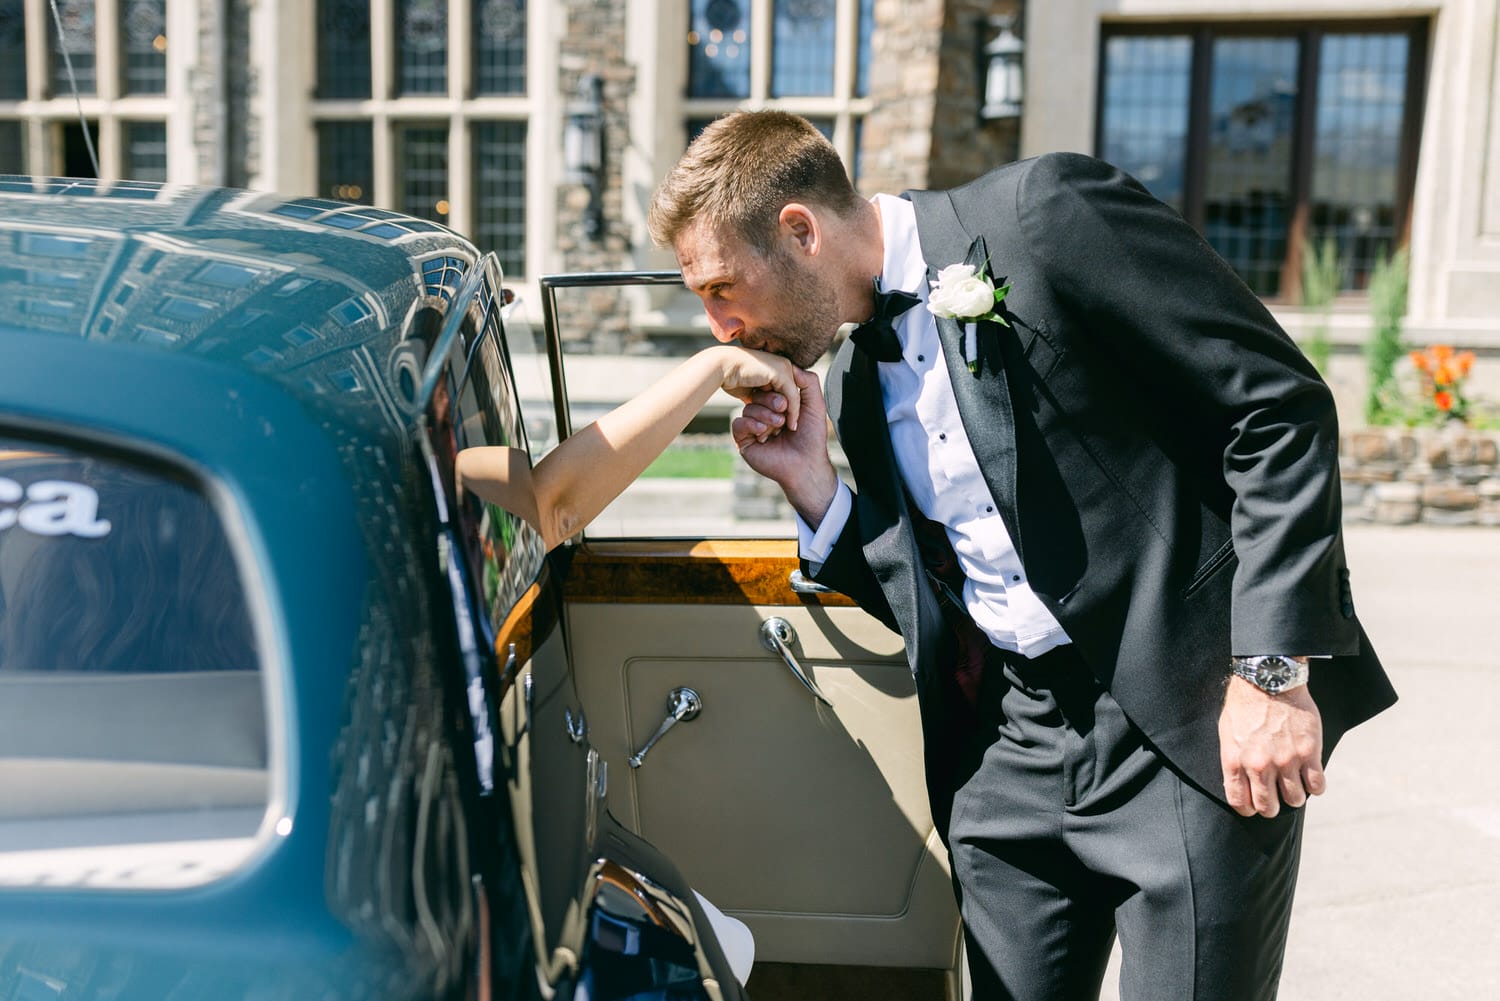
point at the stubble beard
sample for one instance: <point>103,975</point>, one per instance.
<point>814,317</point>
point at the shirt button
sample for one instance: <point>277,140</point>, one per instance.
<point>989,509</point>
<point>1015,579</point>
<point>942,436</point>
<point>921,357</point>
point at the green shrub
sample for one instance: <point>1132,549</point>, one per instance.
<point>1322,278</point>
<point>1385,347</point>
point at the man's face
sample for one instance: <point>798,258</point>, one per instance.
<point>777,302</point>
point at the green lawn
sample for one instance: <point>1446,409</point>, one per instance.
<point>693,463</point>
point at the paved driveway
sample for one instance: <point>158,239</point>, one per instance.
<point>1400,892</point>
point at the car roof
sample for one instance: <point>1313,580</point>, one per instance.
<point>320,298</point>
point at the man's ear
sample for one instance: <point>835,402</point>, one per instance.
<point>798,227</point>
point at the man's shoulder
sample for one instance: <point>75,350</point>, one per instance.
<point>1061,167</point>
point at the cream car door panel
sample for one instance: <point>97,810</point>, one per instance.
<point>808,822</point>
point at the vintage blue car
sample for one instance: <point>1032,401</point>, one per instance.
<point>285,713</point>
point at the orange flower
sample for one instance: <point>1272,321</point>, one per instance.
<point>1442,352</point>
<point>1419,360</point>
<point>1443,376</point>
<point>1465,362</point>
<point>1443,400</point>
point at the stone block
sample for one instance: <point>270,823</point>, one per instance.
<point>1369,446</point>
<point>1449,497</point>
<point>1435,450</point>
<point>1407,447</point>
<point>1487,451</point>
<point>1397,503</point>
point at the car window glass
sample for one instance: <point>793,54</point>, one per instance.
<point>132,709</point>
<point>532,378</point>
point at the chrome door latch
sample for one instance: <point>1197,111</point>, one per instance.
<point>683,704</point>
<point>778,636</point>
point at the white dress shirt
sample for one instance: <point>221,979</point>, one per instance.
<point>937,463</point>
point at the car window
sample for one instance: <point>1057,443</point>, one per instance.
<point>132,709</point>
<point>698,488</point>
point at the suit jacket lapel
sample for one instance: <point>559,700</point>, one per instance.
<point>983,396</point>
<point>889,544</point>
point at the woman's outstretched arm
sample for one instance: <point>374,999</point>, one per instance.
<point>579,478</point>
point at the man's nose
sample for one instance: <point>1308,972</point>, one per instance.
<point>726,327</point>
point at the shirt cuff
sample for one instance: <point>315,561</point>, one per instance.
<point>814,547</point>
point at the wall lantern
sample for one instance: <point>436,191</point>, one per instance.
<point>1001,86</point>
<point>583,149</point>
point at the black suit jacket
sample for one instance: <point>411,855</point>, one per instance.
<point>1163,455</point>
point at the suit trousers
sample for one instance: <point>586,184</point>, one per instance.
<point>1067,827</point>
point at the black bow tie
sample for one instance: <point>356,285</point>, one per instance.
<point>877,335</point>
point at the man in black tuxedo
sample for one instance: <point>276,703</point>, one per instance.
<point>1104,516</point>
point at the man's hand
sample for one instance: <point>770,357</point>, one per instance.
<point>747,374</point>
<point>797,460</point>
<point>1270,747</point>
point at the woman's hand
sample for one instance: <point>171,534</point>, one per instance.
<point>745,373</point>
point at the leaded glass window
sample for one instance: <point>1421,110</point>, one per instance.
<point>1146,82</point>
<point>719,49</point>
<point>802,51</point>
<point>143,40</point>
<point>12,50</point>
<point>346,161</point>
<point>423,187</point>
<point>1248,175</point>
<point>145,151</point>
<point>343,49</point>
<point>12,147</point>
<point>75,47</point>
<point>422,46</point>
<point>1355,188</point>
<point>499,29</point>
<point>500,192</point>
<point>1298,133</point>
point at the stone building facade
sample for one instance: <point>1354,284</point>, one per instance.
<point>456,110</point>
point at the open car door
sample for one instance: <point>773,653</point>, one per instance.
<point>758,730</point>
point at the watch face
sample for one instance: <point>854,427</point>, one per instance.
<point>1275,672</point>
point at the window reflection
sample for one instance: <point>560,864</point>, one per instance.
<point>1145,115</point>
<point>499,151</point>
<point>145,151</point>
<point>143,38</point>
<point>346,161</point>
<point>422,37</point>
<point>1247,194</point>
<point>719,42</point>
<point>499,46</point>
<point>1361,105</point>
<point>803,52</point>
<point>423,188</point>
<point>343,48</point>
<point>75,47</point>
<point>12,53</point>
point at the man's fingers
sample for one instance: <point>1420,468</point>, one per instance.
<point>1313,779</point>
<point>1237,792</point>
<point>1292,792</point>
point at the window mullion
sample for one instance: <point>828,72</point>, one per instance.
<point>38,54</point>
<point>761,36</point>
<point>1303,152</point>
<point>382,50</point>
<point>1199,112</point>
<point>107,75</point>
<point>460,50</point>
<point>460,180</point>
<point>384,166</point>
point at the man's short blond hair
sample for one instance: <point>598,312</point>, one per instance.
<point>741,170</point>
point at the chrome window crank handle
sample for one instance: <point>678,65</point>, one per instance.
<point>683,704</point>
<point>778,636</point>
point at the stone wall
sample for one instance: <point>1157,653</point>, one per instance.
<point>1399,476</point>
<point>1394,476</point>
<point>593,43</point>
<point>923,129</point>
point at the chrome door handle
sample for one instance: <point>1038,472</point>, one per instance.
<point>801,585</point>
<point>683,704</point>
<point>778,635</point>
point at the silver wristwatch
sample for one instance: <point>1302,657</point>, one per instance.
<point>1272,674</point>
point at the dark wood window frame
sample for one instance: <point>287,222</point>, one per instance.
<point>1309,35</point>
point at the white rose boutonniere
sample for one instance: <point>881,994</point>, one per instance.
<point>963,293</point>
